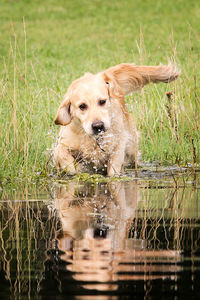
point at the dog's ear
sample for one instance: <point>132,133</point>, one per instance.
<point>114,89</point>
<point>131,78</point>
<point>63,116</point>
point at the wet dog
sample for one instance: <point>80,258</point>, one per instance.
<point>97,130</point>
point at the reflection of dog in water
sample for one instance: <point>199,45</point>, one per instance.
<point>96,223</point>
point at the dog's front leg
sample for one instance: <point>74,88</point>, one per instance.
<point>64,160</point>
<point>116,161</point>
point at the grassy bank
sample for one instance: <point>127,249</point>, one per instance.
<point>45,45</point>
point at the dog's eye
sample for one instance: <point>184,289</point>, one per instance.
<point>102,102</point>
<point>83,106</point>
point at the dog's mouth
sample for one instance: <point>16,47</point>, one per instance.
<point>99,141</point>
<point>99,136</point>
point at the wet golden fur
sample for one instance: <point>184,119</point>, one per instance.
<point>117,144</point>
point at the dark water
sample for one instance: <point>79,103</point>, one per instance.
<point>120,240</point>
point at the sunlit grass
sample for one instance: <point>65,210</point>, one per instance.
<point>45,45</point>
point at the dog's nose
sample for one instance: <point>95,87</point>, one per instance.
<point>98,127</point>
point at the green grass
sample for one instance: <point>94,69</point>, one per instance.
<point>44,45</point>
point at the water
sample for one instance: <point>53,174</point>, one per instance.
<point>117,240</point>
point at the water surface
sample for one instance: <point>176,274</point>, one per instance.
<point>115,240</point>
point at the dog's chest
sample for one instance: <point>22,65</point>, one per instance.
<point>94,152</point>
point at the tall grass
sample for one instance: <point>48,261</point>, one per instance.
<point>44,46</point>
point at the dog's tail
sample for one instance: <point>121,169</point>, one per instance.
<point>131,78</point>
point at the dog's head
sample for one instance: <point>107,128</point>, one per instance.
<point>88,102</point>
<point>89,99</point>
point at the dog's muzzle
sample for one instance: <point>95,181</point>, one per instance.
<point>98,127</point>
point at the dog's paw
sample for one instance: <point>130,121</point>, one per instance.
<point>112,171</point>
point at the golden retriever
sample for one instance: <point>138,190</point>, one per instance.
<point>97,130</point>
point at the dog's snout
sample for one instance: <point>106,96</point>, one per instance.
<point>98,127</point>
